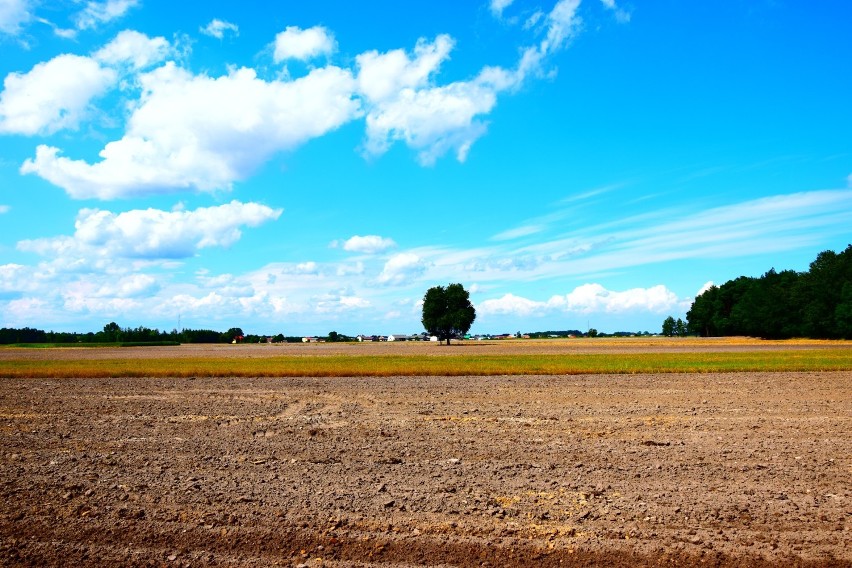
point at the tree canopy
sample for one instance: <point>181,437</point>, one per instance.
<point>780,305</point>
<point>447,312</point>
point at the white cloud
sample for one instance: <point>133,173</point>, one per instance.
<point>560,25</point>
<point>296,43</point>
<point>309,267</point>
<point>53,95</point>
<point>338,302</point>
<point>217,28</point>
<point>130,286</point>
<point>350,269</point>
<point>431,121</point>
<point>4,209</point>
<point>497,6</point>
<point>152,233</point>
<point>510,304</point>
<point>96,13</point>
<point>704,288</point>
<point>563,23</point>
<point>187,133</point>
<point>368,244</point>
<point>381,76</point>
<point>405,105</point>
<point>621,15</point>
<point>518,232</point>
<point>65,33</point>
<point>401,269</point>
<point>135,49</point>
<point>13,14</point>
<point>587,299</point>
<point>590,298</point>
<point>14,277</point>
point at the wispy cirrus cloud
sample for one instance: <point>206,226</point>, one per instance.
<point>622,15</point>
<point>497,7</point>
<point>98,13</point>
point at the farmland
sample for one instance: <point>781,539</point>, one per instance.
<point>619,452</point>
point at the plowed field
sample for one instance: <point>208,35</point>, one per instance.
<point>739,469</point>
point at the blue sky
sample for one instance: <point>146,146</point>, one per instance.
<point>302,167</point>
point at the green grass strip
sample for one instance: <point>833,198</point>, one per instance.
<point>451,365</point>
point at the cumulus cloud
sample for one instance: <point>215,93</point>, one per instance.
<point>368,244</point>
<point>53,95</point>
<point>590,298</point>
<point>14,277</point>
<point>296,43</point>
<point>130,286</point>
<point>401,269</point>
<point>405,104</point>
<point>134,49</point>
<point>13,15</point>
<point>381,76</point>
<point>217,28</point>
<point>153,233</point>
<point>510,304</point>
<point>186,133</point>
<point>338,302</point>
<point>97,13</point>
<point>587,299</point>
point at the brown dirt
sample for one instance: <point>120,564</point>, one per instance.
<point>719,470</point>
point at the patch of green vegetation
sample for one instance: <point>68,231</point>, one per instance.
<point>454,365</point>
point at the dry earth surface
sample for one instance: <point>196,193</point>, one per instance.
<point>489,347</point>
<point>742,469</point>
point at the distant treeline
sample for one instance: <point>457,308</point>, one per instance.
<point>780,305</point>
<point>113,333</point>
<point>578,333</point>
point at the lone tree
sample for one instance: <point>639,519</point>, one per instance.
<point>447,312</point>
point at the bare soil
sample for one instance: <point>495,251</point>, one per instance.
<point>745,469</point>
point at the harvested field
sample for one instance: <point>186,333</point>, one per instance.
<point>725,469</point>
<point>490,347</point>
